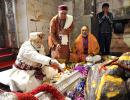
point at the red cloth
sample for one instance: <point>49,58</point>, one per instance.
<point>38,70</point>
<point>62,7</point>
<point>44,87</point>
<point>26,96</point>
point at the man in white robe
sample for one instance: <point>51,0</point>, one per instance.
<point>31,67</point>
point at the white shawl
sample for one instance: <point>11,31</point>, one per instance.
<point>68,22</point>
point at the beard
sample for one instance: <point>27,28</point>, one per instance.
<point>84,34</point>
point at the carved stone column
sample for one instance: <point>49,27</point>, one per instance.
<point>2,25</point>
<point>11,26</point>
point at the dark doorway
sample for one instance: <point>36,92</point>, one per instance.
<point>3,25</point>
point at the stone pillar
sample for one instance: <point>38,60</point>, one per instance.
<point>2,24</point>
<point>11,27</point>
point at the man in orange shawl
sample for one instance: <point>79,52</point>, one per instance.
<point>61,26</point>
<point>86,44</point>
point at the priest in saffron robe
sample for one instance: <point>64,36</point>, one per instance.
<point>85,45</point>
<point>61,26</point>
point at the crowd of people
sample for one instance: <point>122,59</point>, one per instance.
<point>32,66</point>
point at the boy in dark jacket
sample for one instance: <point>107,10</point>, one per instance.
<point>105,21</point>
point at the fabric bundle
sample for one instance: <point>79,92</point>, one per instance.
<point>112,83</point>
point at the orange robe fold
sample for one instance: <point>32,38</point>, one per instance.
<point>78,50</point>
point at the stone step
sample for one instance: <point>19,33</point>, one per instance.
<point>6,65</point>
<point>7,57</point>
<point>4,50</point>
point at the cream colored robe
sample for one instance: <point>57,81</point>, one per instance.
<point>25,80</point>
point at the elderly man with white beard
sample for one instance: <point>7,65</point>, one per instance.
<point>31,67</point>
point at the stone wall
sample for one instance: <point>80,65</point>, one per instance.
<point>34,15</point>
<point>40,13</point>
<point>21,21</point>
<point>80,18</point>
<point>121,42</point>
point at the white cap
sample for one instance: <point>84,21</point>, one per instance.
<point>36,35</point>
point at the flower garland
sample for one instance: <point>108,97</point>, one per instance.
<point>79,92</point>
<point>44,87</point>
<point>82,69</point>
<point>50,89</point>
<point>25,96</point>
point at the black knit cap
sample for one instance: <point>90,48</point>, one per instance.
<point>105,5</point>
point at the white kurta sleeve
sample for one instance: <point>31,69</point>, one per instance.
<point>30,53</point>
<point>36,57</point>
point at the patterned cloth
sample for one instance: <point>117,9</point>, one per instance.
<point>85,45</point>
<point>111,83</point>
<point>38,70</point>
<point>124,61</point>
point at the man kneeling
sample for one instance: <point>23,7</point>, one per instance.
<point>31,66</point>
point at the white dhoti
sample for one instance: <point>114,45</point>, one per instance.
<point>19,79</point>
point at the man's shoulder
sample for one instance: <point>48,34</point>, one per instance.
<point>91,35</point>
<point>79,37</point>
<point>25,46</point>
<point>55,17</point>
<point>26,43</point>
<point>110,13</point>
<point>99,13</point>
